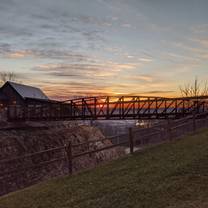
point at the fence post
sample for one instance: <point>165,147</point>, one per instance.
<point>206,121</point>
<point>131,141</point>
<point>194,121</point>
<point>69,157</point>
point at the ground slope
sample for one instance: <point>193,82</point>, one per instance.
<point>173,175</point>
<point>27,140</point>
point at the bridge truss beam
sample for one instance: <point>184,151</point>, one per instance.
<point>114,108</point>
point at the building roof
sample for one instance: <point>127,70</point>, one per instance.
<point>26,91</point>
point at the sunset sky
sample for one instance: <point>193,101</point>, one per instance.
<point>93,47</point>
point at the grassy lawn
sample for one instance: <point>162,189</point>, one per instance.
<point>173,175</point>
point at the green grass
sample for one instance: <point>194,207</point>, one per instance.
<point>172,175</point>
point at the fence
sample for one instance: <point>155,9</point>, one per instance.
<point>12,169</point>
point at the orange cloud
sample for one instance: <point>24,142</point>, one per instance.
<point>18,54</point>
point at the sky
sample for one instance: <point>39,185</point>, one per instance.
<point>75,48</point>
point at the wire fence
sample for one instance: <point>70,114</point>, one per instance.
<point>34,164</point>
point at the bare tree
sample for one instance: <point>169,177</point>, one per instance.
<point>7,76</point>
<point>195,89</point>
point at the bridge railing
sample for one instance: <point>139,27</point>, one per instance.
<point>136,107</point>
<point>111,108</point>
<point>39,112</point>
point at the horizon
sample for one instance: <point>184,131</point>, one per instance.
<point>102,47</point>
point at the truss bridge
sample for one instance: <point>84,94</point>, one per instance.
<point>111,108</point>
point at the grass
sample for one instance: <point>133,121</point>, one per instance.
<point>173,175</point>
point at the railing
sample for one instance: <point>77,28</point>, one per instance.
<point>43,112</point>
<point>125,107</point>
<point>12,169</point>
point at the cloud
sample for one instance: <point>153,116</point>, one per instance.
<point>201,41</point>
<point>188,52</point>
<point>72,89</point>
<point>84,70</point>
<point>92,45</point>
<point>146,78</point>
<point>82,78</point>
<point>18,54</point>
<point>200,29</point>
<point>156,92</point>
<point>55,54</point>
<point>145,59</point>
<point>4,48</point>
<point>29,24</point>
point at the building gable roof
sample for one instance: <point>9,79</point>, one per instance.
<point>26,91</point>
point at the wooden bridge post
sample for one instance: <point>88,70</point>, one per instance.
<point>108,107</point>
<point>83,108</point>
<point>156,107</point>
<point>122,107</point>
<point>95,107</point>
<point>69,157</point>
<point>131,141</point>
<point>71,109</point>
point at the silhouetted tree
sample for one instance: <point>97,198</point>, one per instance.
<point>7,76</point>
<point>194,89</point>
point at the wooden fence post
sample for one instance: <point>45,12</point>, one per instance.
<point>206,121</point>
<point>131,141</point>
<point>194,121</point>
<point>69,157</point>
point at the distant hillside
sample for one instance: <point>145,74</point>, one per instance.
<point>173,175</point>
